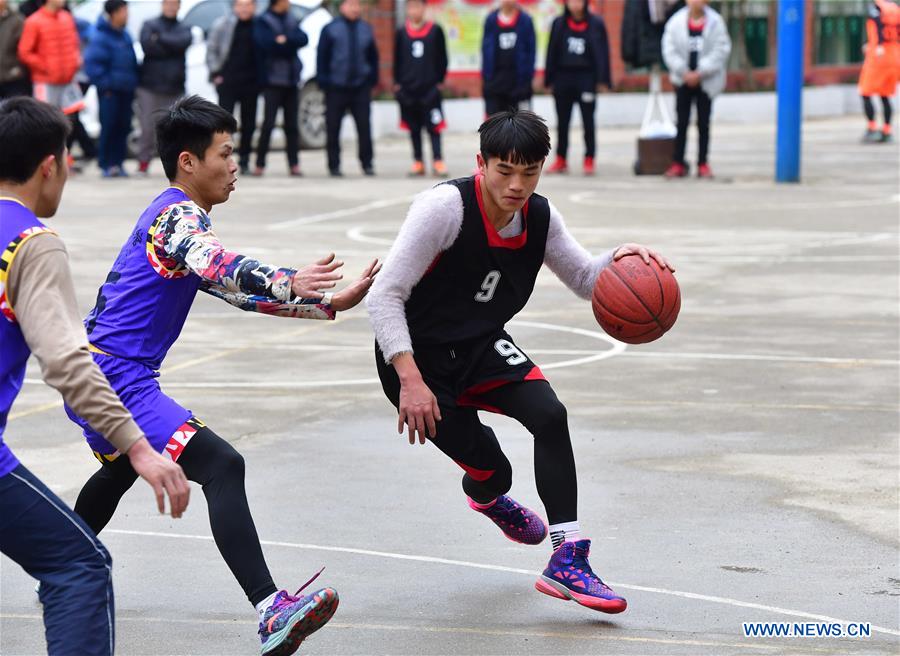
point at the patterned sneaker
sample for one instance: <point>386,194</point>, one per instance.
<point>518,523</point>
<point>291,619</point>
<point>569,576</point>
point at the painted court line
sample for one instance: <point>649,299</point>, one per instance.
<point>337,214</point>
<point>466,630</point>
<point>512,570</point>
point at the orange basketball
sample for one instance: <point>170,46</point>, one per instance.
<point>636,302</point>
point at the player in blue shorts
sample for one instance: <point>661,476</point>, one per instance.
<point>170,255</point>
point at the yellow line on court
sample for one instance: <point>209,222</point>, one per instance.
<point>183,365</point>
<point>599,637</point>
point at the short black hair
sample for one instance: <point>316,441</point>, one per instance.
<point>112,6</point>
<point>30,131</point>
<point>189,125</point>
<point>516,135</point>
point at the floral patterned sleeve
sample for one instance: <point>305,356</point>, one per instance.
<point>186,238</point>
<point>299,308</point>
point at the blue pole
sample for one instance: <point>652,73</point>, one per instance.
<point>789,87</point>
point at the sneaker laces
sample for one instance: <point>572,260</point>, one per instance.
<point>515,514</point>
<point>580,561</point>
<point>285,598</point>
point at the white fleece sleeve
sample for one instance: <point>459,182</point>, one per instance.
<point>569,260</point>
<point>431,226</point>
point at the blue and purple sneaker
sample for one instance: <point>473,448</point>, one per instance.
<point>569,576</point>
<point>518,523</point>
<point>292,618</point>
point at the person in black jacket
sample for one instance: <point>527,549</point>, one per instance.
<point>577,68</point>
<point>420,66</point>
<point>278,38</point>
<point>347,69</point>
<point>164,40</point>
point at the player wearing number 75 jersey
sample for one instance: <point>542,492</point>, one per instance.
<point>464,263</point>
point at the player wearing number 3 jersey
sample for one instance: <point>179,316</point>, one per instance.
<point>464,263</point>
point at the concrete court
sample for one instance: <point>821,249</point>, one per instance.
<point>743,468</point>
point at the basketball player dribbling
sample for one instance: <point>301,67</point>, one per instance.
<point>464,263</point>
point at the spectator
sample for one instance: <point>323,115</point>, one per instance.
<point>79,134</point>
<point>577,68</point>
<point>233,67</point>
<point>49,48</point>
<point>420,65</point>
<point>278,36</point>
<point>507,58</point>
<point>695,48</point>
<point>348,71</point>
<point>111,66</point>
<point>164,41</point>
<point>13,74</point>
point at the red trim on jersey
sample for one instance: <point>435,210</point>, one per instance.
<point>478,474</point>
<point>535,374</point>
<point>696,25</point>
<point>577,27</point>
<point>433,264</point>
<point>404,125</point>
<point>440,127</point>
<point>470,398</point>
<point>510,22</point>
<point>421,33</point>
<point>493,237</point>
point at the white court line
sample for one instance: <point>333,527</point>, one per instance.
<point>337,214</point>
<point>594,199</point>
<point>356,234</point>
<point>512,570</point>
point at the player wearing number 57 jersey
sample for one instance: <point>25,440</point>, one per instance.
<point>464,263</point>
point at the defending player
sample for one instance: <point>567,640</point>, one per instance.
<point>464,263</point>
<point>38,314</point>
<point>420,66</point>
<point>881,67</point>
<point>172,253</point>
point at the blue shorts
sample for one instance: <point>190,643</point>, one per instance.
<point>157,415</point>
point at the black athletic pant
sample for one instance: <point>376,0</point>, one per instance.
<point>686,96</point>
<point>886,107</point>
<point>337,103</point>
<point>287,99</point>
<point>415,135</point>
<point>219,468</point>
<point>247,98</point>
<point>474,446</point>
<point>566,93</point>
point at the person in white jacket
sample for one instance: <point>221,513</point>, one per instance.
<point>695,47</point>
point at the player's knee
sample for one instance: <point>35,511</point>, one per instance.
<point>553,419</point>
<point>500,481</point>
<point>231,463</point>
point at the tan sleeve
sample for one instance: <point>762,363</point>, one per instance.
<point>42,296</point>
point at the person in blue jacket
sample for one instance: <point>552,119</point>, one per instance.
<point>508,50</point>
<point>278,38</point>
<point>111,66</point>
<point>347,69</point>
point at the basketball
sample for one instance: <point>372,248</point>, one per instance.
<point>635,302</point>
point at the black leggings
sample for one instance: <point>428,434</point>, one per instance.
<point>474,446</point>
<point>566,94</point>
<point>869,108</point>
<point>686,96</point>
<point>415,134</point>
<point>213,463</point>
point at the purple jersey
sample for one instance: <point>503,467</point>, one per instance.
<point>17,225</point>
<point>143,304</point>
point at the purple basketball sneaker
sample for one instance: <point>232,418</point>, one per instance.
<point>569,576</point>
<point>291,618</point>
<point>518,523</point>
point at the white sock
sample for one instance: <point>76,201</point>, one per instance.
<point>263,606</point>
<point>565,532</point>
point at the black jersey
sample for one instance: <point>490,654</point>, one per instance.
<point>577,54</point>
<point>420,57</point>
<point>483,280</point>
<point>503,77</point>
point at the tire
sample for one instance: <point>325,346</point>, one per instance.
<point>312,117</point>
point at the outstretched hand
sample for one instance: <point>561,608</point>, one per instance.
<point>351,295</point>
<point>645,253</point>
<point>311,279</point>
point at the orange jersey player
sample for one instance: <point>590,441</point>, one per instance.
<point>881,68</point>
